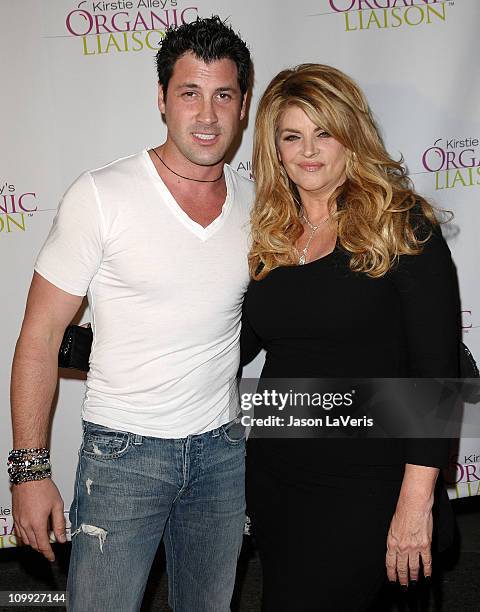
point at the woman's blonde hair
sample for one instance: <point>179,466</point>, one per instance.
<point>374,206</point>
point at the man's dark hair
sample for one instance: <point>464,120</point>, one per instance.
<point>209,39</point>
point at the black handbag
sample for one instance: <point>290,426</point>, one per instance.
<point>76,347</point>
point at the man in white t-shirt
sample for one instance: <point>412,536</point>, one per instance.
<point>162,454</point>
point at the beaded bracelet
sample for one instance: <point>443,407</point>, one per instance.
<point>20,453</point>
<point>26,464</point>
<point>20,477</point>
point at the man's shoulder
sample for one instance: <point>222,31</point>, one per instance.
<point>244,187</point>
<point>121,167</point>
<point>112,183</point>
<point>241,178</point>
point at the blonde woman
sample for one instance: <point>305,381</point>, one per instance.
<point>350,278</point>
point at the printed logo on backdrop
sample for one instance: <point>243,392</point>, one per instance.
<point>468,321</point>
<point>245,169</point>
<point>366,15</point>
<point>125,26</point>
<point>453,162</point>
<point>7,532</point>
<point>16,207</point>
<point>464,475</point>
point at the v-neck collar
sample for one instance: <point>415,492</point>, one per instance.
<point>204,233</point>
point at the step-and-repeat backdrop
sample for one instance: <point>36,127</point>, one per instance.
<point>79,90</point>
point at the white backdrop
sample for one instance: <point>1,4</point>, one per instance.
<point>79,90</point>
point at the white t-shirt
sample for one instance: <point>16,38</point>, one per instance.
<point>165,297</point>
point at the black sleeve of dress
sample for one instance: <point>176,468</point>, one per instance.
<point>428,291</point>
<point>250,343</point>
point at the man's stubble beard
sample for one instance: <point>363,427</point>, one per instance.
<point>201,157</point>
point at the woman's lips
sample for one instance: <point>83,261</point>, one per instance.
<point>311,167</point>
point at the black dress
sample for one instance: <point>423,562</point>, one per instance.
<point>321,509</point>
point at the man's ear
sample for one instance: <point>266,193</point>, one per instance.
<point>161,99</point>
<point>243,110</point>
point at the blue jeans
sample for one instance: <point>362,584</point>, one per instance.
<point>131,491</point>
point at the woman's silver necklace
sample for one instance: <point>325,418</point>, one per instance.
<point>313,228</point>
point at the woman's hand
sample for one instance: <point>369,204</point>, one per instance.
<point>410,535</point>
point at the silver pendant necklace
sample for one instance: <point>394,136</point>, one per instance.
<point>313,228</point>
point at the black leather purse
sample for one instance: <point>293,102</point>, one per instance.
<point>76,347</point>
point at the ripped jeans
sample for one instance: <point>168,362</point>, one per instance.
<point>131,491</point>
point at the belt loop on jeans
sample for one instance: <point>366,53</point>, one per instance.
<point>137,439</point>
<point>215,432</point>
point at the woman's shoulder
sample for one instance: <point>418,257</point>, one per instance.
<point>426,224</point>
<point>433,257</point>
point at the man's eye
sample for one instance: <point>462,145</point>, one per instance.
<point>224,96</point>
<point>189,94</point>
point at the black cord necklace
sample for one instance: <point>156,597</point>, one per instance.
<point>186,177</point>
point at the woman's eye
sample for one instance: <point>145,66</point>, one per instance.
<point>323,134</point>
<point>290,137</point>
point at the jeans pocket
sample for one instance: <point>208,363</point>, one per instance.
<point>103,443</point>
<point>234,432</point>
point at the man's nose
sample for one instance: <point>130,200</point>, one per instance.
<point>206,113</point>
